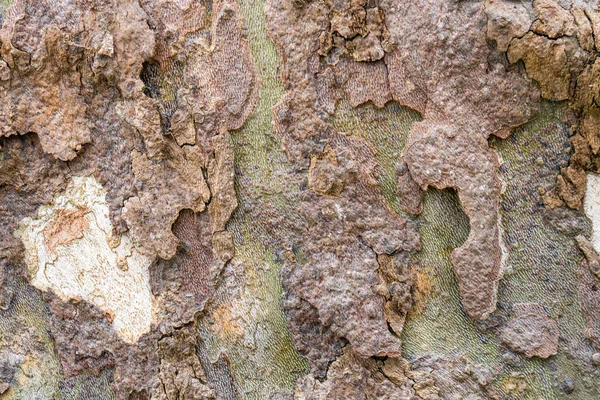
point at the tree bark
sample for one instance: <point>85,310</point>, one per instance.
<point>299,199</point>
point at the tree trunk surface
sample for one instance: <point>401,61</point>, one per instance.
<point>299,199</point>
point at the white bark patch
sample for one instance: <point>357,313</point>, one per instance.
<point>591,206</point>
<point>70,249</point>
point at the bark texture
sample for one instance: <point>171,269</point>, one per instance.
<point>299,199</point>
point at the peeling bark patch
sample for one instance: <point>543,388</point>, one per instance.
<point>322,177</point>
<point>438,157</point>
<point>462,89</point>
<point>557,41</point>
<point>591,206</point>
<point>531,331</point>
<point>451,377</point>
<point>70,249</point>
<point>350,377</point>
<point>69,224</point>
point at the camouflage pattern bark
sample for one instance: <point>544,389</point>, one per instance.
<point>299,199</point>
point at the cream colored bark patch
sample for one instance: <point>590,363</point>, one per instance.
<point>70,249</point>
<point>591,206</point>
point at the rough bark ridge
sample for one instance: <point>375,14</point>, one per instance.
<point>307,199</point>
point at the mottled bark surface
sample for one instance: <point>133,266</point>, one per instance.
<point>299,199</point>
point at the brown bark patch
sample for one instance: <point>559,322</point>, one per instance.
<point>531,332</point>
<point>68,226</point>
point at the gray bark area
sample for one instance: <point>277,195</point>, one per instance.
<point>299,199</point>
